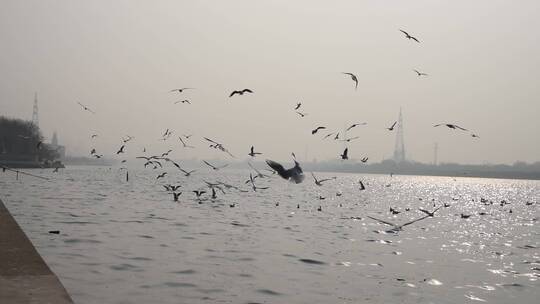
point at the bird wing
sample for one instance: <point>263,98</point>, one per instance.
<point>278,168</point>
<point>437,125</point>
<point>414,39</point>
<point>247,90</point>
<point>404,32</point>
<point>234,92</point>
<point>383,221</point>
<point>325,179</point>
<point>460,128</point>
<point>207,163</point>
<point>423,210</point>
<point>414,221</point>
<point>208,139</point>
<point>393,125</point>
<point>345,151</point>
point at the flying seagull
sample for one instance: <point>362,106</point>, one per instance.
<point>252,153</point>
<point>319,182</point>
<point>198,193</point>
<point>294,174</point>
<point>187,173</point>
<point>214,167</point>
<point>298,105</point>
<point>252,180</point>
<point>362,187</point>
<point>180,90</point>
<point>354,78</point>
<point>317,129</point>
<point>365,159</point>
<point>121,150</point>
<point>183,143</point>
<point>182,101</point>
<point>301,114</point>
<point>176,195</point>
<point>451,126</point>
<point>430,213</point>
<point>409,36</point>
<point>240,92</point>
<point>344,155</point>
<point>420,73</point>
<point>161,175</point>
<point>392,127</point>
<point>474,135</point>
<point>349,139</point>
<point>356,124</point>
<point>397,228</point>
<point>86,108</point>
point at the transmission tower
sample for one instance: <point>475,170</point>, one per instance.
<point>35,118</point>
<point>399,148</point>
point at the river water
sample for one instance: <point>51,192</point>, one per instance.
<point>129,242</point>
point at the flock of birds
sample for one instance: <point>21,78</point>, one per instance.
<point>294,174</point>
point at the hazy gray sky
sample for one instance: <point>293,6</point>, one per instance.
<point>121,58</point>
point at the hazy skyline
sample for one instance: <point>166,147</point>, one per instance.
<point>122,58</point>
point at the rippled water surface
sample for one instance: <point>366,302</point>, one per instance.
<point>128,242</point>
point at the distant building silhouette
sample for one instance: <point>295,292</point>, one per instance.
<point>55,146</point>
<point>399,148</point>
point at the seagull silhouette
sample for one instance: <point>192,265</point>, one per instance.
<point>180,90</point>
<point>397,228</point>
<point>214,167</point>
<point>240,92</point>
<point>349,139</point>
<point>365,159</point>
<point>354,78</point>
<point>362,187</point>
<point>451,126</point>
<point>252,180</point>
<point>198,193</point>
<point>301,114</point>
<point>319,182</point>
<point>294,174</point>
<point>356,124</point>
<point>344,155</point>
<point>392,127</point>
<point>86,108</point>
<point>298,105</point>
<point>182,101</point>
<point>187,173</point>
<point>252,153</point>
<point>430,213</point>
<point>183,143</point>
<point>176,195</point>
<point>409,36</point>
<point>420,73</point>
<point>161,175</point>
<point>317,129</point>
<point>121,150</point>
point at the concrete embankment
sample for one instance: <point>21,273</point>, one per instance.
<point>24,276</point>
